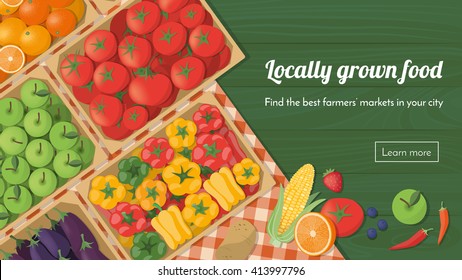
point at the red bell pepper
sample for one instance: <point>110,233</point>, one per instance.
<point>157,152</point>
<point>128,219</point>
<point>208,118</point>
<point>212,150</point>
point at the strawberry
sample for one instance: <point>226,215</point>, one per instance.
<point>333,180</point>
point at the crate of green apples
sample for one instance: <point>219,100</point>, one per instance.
<point>43,145</point>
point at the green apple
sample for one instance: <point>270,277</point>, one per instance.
<point>86,150</point>
<point>43,182</point>
<point>53,100</point>
<point>409,207</point>
<point>15,170</point>
<point>37,123</point>
<point>13,140</point>
<point>4,216</point>
<point>39,153</point>
<point>67,164</point>
<point>63,135</point>
<point>2,154</point>
<point>2,186</point>
<point>17,199</point>
<point>34,93</point>
<point>11,110</point>
<point>59,113</point>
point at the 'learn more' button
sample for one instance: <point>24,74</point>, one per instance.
<point>407,151</point>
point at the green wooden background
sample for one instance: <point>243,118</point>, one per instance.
<point>358,32</point>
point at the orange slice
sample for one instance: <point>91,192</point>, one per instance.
<point>12,59</point>
<point>12,3</point>
<point>315,234</point>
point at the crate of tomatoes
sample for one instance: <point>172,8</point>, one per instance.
<point>178,183</point>
<point>141,62</point>
<point>32,29</point>
<point>63,231</point>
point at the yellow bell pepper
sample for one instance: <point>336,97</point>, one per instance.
<point>224,188</point>
<point>182,176</point>
<point>106,191</point>
<point>151,194</point>
<point>172,227</point>
<point>181,133</point>
<point>247,172</point>
<point>126,242</point>
<point>129,194</point>
<point>199,209</point>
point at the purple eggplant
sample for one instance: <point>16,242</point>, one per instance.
<point>10,257</point>
<point>83,242</point>
<point>39,252</point>
<point>22,248</point>
<point>55,243</point>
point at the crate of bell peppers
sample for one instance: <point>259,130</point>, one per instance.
<point>180,182</point>
<point>62,231</point>
<point>142,61</point>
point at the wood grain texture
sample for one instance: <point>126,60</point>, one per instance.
<point>358,32</point>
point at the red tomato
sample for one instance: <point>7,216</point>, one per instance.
<point>135,52</point>
<point>106,110</point>
<point>116,132</point>
<point>76,70</point>
<point>169,38</point>
<point>171,6</point>
<point>143,17</point>
<point>206,41</point>
<point>188,73</point>
<point>170,17</point>
<point>347,215</point>
<point>192,15</point>
<point>85,94</point>
<point>119,25</point>
<point>111,77</point>
<point>151,90</point>
<point>171,99</point>
<point>225,58</point>
<point>160,66</point>
<point>135,117</point>
<point>153,111</point>
<point>100,45</point>
<point>211,65</point>
<point>208,19</point>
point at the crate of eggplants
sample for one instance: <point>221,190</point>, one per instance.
<point>68,239</point>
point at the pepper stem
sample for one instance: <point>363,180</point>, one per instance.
<point>442,206</point>
<point>427,230</point>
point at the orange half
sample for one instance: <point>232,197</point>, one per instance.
<point>12,3</point>
<point>12,59</point>
<point>315,234</point>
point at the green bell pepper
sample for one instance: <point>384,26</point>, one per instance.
<point>148,246</point>
<point>132,171</point>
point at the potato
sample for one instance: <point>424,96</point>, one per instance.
<point>238,243</point>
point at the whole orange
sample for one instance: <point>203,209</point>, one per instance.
<point>10,30</point>
<point>35,40</point>
<point>59,3</point>
<point>34,12</point>
<point>61,22</point>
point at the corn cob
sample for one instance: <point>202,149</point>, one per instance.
<point>296,195</point>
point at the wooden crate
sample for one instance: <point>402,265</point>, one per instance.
<point>266,180</point>
<point>67,203</point>
<point>100,156</point>
<point>112,145</point>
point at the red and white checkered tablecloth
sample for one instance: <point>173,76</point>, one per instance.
<point>257,212</point>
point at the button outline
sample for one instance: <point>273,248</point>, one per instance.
<point>407,142</point>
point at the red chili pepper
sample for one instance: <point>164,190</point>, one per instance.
<point>415,240</point>
<point>208,118</point>
<point>157,152</point>
<point>212,150</point>
<point>444,222</point>
<point>238,153</point>
<point>128,219</point>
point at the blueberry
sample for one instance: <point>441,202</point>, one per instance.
<point>382,224</point>
<point>372,212</point>
<point>372,233</point>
